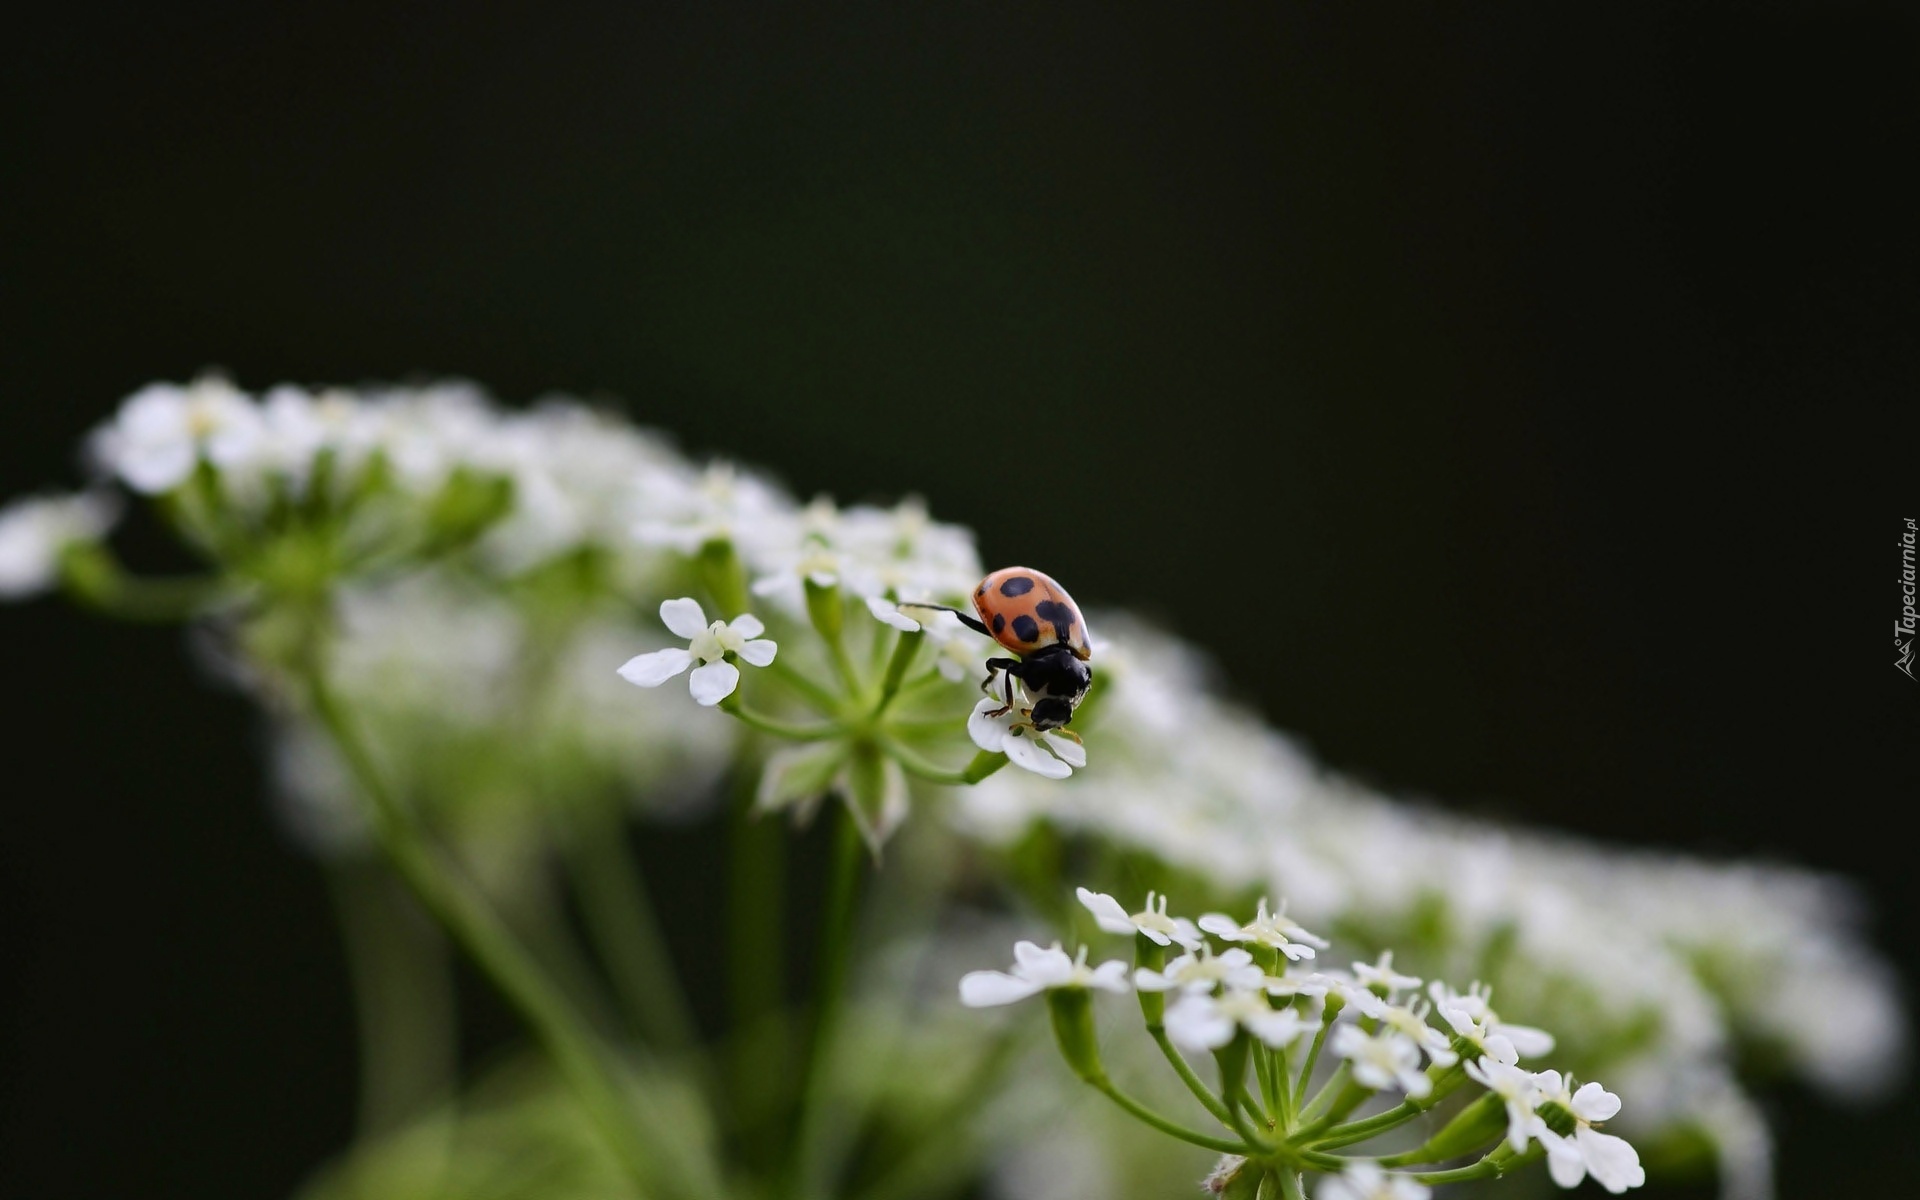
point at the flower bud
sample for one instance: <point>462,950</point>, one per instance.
<point>1152,956</point>
<point>825,610</point>
<point>725,578</point>
<point>1471,1128</point>
<point>1232,1058</point>
<point>1558,1118</point>
<point>1072,1012</point>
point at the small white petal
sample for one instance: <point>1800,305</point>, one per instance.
<point>759,652</point>
<point>885,611</point>
<point>1564,1160</point>
<point>985,989</point>
<point>714,682</point>
<point>1196,1024</point>
<point>747,625</point>
<point>1149,980</point>
<point>1107,913</point>
<point>1110,976</point>
<point>1221,925</point>
<point>1611,1160</point>
<point>652,670</point>
<point>1069,751</point>
<point>988,733</point>
<point>684,616</point>
<point>1593,1102</point>
<point>1528,1041</point>
<point>1024,752</point>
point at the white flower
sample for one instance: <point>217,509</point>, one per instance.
<point>1525,1039</point>
<point>1313,985</point>
<point>1364,1179</point>
<point>1201,972</point>
<point>1383,976</point>
<point>1274,930</point>
<point>1153,923</point>
<point>1042,753</point>
<point>716,678</point>
<point>721,503</point>
<point>1489,1044</point>
<point>163,430</point>
<point>887,612</point>
<point>1200,1023</point>
<point>33,533</point>
<point>1035,971</point>
<point>1520,1093</point>
<point>1411,1020</point>
<point>1382,1060</point>
<point>1613,1163</point>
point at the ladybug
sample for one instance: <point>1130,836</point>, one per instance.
<point>1032,616</point>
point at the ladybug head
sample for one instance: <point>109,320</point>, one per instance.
<point>1051,713</point>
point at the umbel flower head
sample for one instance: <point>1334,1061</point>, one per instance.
<point>714,646</point>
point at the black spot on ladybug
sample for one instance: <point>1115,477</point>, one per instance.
<point>1026,628</point>
<point>1056,614</point>
<point>1019,585</point>
<point>999,622</point>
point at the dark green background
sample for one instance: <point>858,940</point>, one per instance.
<point>1467,382</point>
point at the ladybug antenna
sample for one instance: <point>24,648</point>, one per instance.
<point>968,619</point>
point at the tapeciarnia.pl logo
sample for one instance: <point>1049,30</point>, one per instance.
<point>1904,624</point>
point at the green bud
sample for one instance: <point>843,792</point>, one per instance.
<point>725,578</point>
<point>876,795</point>
<point>1558,1117</point>
<point>464,508</point>
<point>826,611</point>
<point>1153,956</point>
<point>1471,1128</point>
<point>1072,1012</point>
<point>1232,1058</point>
<point>903,652</point>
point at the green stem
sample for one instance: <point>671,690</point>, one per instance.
<point>1313,1060</point>
<point>1360,1131</point>
<point>836,930</point>
<point>1323,1099</point>
<point>621,919</point>
<point>904,650</point>
<point>983,765</point>
<point>756,958</point>
<point>1263,1071</point>
<point>95,580</point>
<point>816,695</point>
<point>1188,1076</point>
<point>733,706</point>
<point>465,915</point>
<point>1171,1129</point>
<point>403,998</point>
<point>1290,1188</point>
<point>1498,1161</point>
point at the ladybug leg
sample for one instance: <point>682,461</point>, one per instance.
<point>1005,667</point>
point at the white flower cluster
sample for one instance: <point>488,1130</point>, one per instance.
<point>1681,961</point>
<point>1685,957</point>
<point>1380,1029</point>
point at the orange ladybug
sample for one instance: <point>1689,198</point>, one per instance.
<point>1031,615</point>
<point>1026,611</point>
